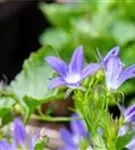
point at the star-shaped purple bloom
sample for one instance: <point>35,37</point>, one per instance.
<point>78,132</point>
<point>20,138</point>
<point>114,72</point>
<point>71,75</point>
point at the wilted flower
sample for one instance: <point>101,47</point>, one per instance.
<point>20,138</point>
<point>114,72</point>
<point>72,75</point>
<point>72,139</point>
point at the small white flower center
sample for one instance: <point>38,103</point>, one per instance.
<point>72,78</point>
<point>112,85</point>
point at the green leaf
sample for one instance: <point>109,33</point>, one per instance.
<point>6,105</point>
<point>30,85</point>
<point>8,117</point>
<point>34,78</point>
<point>123,27</point>
<point>62,15</point>
<point>40,146</point>
<point>122,141</point>
<point>4,111</point>
<point>57,38</point>
<point>32,103</point>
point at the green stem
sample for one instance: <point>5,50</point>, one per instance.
<point>107,102</point>
<point>52,119</point>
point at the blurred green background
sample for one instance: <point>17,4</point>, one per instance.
<point>93,24</point>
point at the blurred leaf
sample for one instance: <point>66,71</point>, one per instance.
<point>122,27</point>
<point>3,111</point>
<point>57,38</point>
<point>128,55</point>
<point>30,85</point>
<point>6,105</point>
<point>40,146</point>
<point>8,117</point>
<point>61,15</point>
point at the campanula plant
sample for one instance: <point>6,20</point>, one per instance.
<point>95,127</point>
<point>92,104</point>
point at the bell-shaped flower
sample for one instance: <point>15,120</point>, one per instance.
<point>72,139</point>
<point>113,67</point>
<point>71,75</point>
<point>20,140</point>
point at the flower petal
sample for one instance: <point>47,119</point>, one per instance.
<point>131,144</point>
<point>68,147</point>
<point>127,73</point>
<point>78,127</point>
<point>58,65</point>
<point>122,109</point>
<point>56,82</point>
<point>113,69</point>
<point>67,138</point>
<point>19,133</point>
<point>77,60</point>
<point>112,52</point>
<point>129,114</point>
<point>34,139</point>
<point>4,145</point>
<point>123,130</point>
<point>90,69</point>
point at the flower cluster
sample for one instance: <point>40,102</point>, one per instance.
<point>71,75</point>
<point>20,138</point>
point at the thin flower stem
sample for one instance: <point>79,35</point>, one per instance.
<point>39,111</point>
<point>52,119</point>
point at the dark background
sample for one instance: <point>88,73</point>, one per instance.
<point>21,23</point>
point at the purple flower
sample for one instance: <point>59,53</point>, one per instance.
<point>71,75</point>
<point>129,120</point>
<point>78,132</point>
<point>114,72</point>
<point>20,138</point>
<point>128,114</point>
